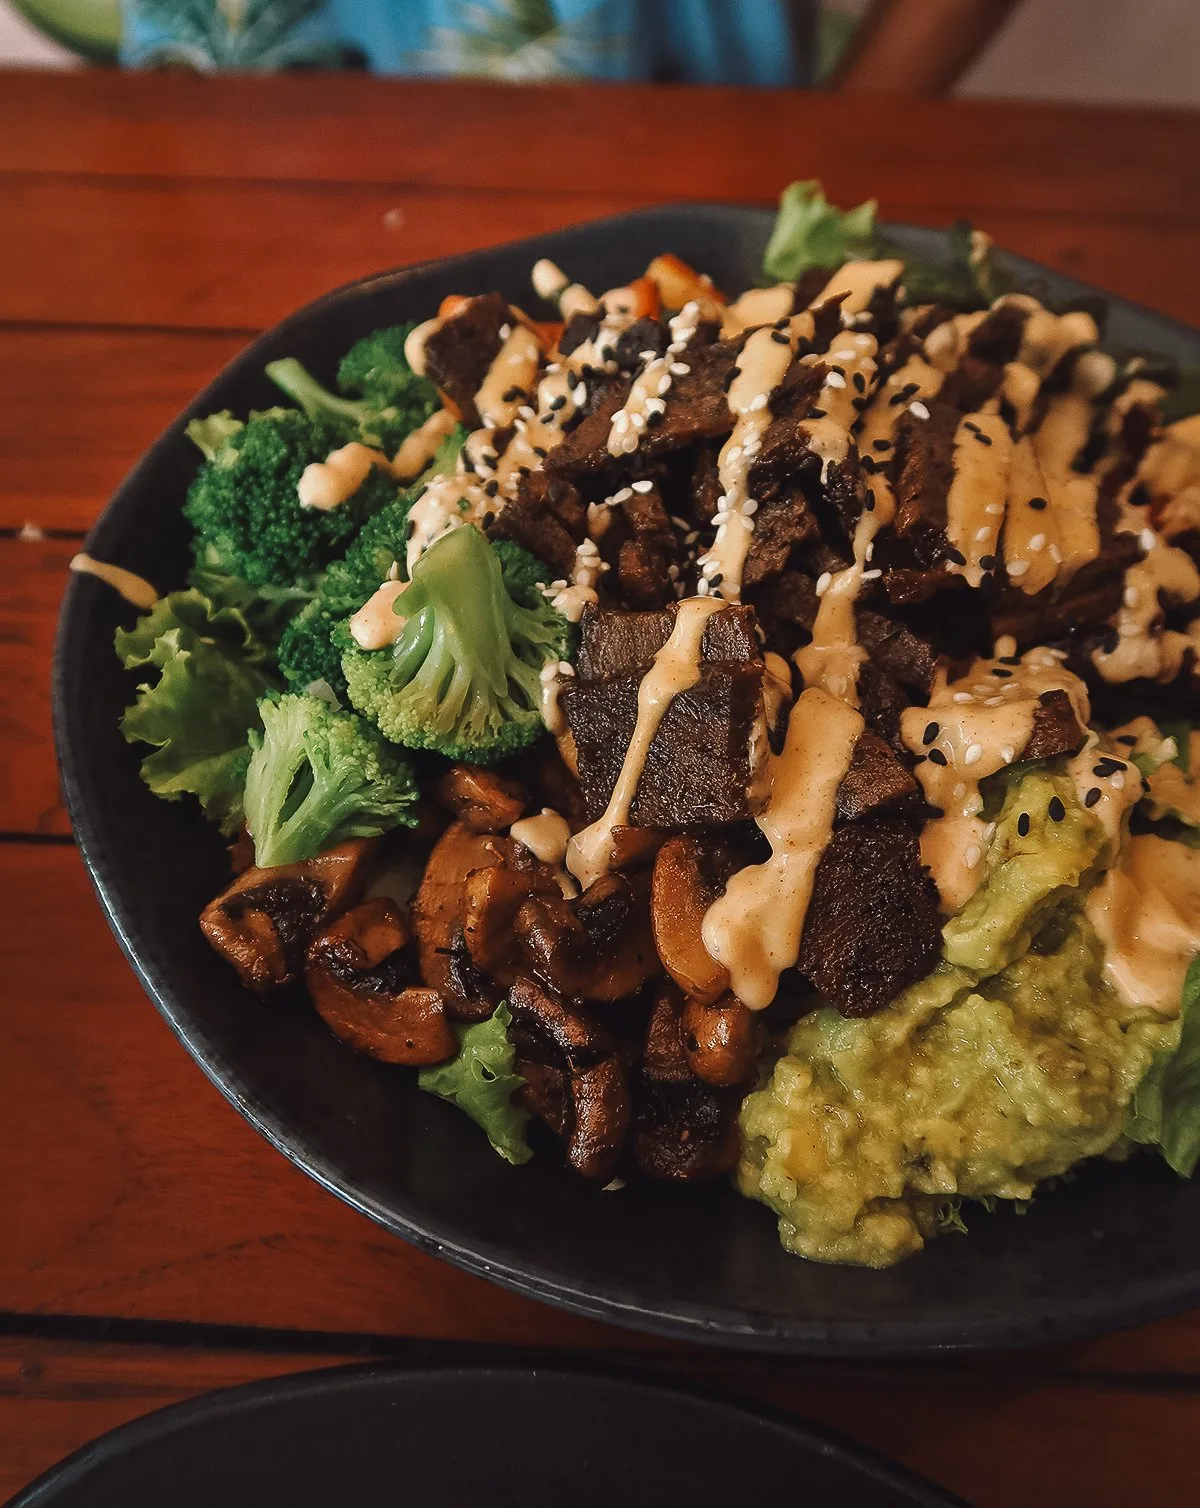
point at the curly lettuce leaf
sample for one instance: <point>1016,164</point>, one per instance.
<point>811,232</point>
<point>480,1081</point>
<point>267,609</point>
<point>1165,1112</point>
<point>198,711</point>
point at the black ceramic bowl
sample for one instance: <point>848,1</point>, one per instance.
<point>537,1438</point>
<point>1120,1245</point>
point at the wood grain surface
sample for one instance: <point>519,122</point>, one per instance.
<point>148,227</point>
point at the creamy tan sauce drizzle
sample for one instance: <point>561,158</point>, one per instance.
<point>652,383</point>
<point>676,667</point>
<point>1175,792</point>
<point>758,306</point>
<point>1146,911</point>
<point>1171,470</point>
<point>972,728</point>
<point>328,484</point>
<point>917,380</point>
<point>762,365</point>
<point>755,928</point>
<point>377,624</point>
<point>946,344</point>
<point>978,492</point>
<point>859,282</point>
<point>1048,337</point>
<point>553,677</point>
<point>1143,648</point>
<point>415,341</point>
<point>545,836</point>
<point>1031,534</point>
<point>446,503</point>
<point>1108,793</point>
<point>834,657</point>
<point>135,589</point>
<point>421,446</point>
<point>1019,389</point>
<point>515,365</point>
<point>1059,438</point>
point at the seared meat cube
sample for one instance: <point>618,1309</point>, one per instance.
<point>1056,729</point>
<point>647,553</point>
<point>876,782</point>
<point>1086,602</point>
<point>912,553</point>
<point>701,763</point>
<point>873,925</point>
<point>458,355</point>
<point>547,518</point>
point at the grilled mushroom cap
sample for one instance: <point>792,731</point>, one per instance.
<point>359,979</point>
<point>597,947</point>
<point>681,893</point>
<point>722,1040</point>
<point>595,1105</point>
<point>483,801</point>
<point>265,920</point>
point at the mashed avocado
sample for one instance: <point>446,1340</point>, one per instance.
<point>1007,1065</point>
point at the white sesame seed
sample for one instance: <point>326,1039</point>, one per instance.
<point>835,379</point>
<point>1131,596</point>
<point>982,534</point>
<point>638,421</point>
<point>620,421</point>
<point>558,586</point>
<point>566,668</point>
<point>664,385</point>
<point>629,444</point>
<point>619,497</point>
<point>679,368</point>
<point>504,331</point>
<point>994,509</point>
<point>823,581</point>
<point>759,401</point>
<point>960,790</point>
<point>918,410</point>
<point>1017,567</point>
<point>1055,554</point>
<point>644,486</point>
<point>750,507</point>
<point>1038,542</point>
<point>1008,754</point>
<point>974,754</point>
<point>526,412</point>
<point>752,446</point>
<point>734,453</point>
<point>994,701</point>
<point>647,356</point>
<point>972,856</point>
<point>1118,780</point>
<point>871,575</point>
<point>1147,539</point>
<point>702,588</point>
<point>870,550</point>
<point>845,355</point>
<point>655,405</point>
<point>963,696</point>
<point>580,394</point>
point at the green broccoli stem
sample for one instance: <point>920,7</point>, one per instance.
<point>316,401</point>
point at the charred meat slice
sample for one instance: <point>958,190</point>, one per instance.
<point>647,551</point>
<point>612,643</point>
<point>459,353</point>
<point>876,782</point>
<point>547,518</point>
<point>912,553</point>
<point>1086,602</point>
<point>873,925</point>
<point>264,922</point>
<point>1056,729</point>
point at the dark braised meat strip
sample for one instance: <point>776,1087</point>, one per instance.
<point>458,355</point>
<point>1081,606</point>
<point>698,769</point>
<point>873,925</point>
<point>876,781</point>
<point>548,518</point>
<point>647,551</point>
<point>1056,729</point>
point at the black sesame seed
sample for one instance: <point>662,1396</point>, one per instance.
<point>988,562</point>
<point>489,518</point>
<point>1023,825</point>
<point>931,732</point>
<point>523,470</point>
<point>816,413</point>
<point>716,581</point>
<point>983,439</point>
<point>780,324</point>
<point>1002,675</point>
<point>1139,495</point>
<point>860,382</point>
<point>897,398</point>
<point>1092,796</point>
<point>492,487</point>
<point>559,402</point>
<point>858,404</point>
<point>870,502</point>
<point>780,338</point>
<point>1056,809</point>
<point>937,757</point>
<point>870,464</point>
<point>956,556</point>
<point>540,450</point>
<point>1037,503</point>
<point>881,444</point>
<point>1009,660</point>
<point>971,425</point>
<point>910,388</point>
<point>653,420</point>
<point>513,394</point>
<point>1128,739</point>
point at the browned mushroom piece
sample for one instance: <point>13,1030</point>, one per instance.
<point>685,1131</point>
<point>598,947</point>
<point>491,899</point>
<point>596,1112</point>
<point>264,922</point>
<point>634,847</point>
<point>361,984</point>
<point>438,905</point>
<point>483,801</point>
<point>722,1040</point>
<point>683,889</point>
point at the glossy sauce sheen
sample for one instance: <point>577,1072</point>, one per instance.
<point>1146,912</point>
<point>135,589</point>
<point>329,483</point>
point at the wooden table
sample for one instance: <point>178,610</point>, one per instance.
<point>151,1245</point>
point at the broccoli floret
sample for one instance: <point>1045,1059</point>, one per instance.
<point>246,511</point>
<point>309,649</point>
<point>318,777</point>
<point>463,676</point>
<point>209,434</point>
<point>524,574</point>
<point>391,399</point>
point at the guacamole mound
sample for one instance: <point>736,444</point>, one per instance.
<point>1009,1064</point>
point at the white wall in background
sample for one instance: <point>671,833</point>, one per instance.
<point>23,46</point>
<point>1144,52</point>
